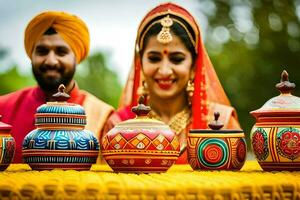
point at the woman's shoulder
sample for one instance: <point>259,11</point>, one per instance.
<point>222,107</point>
<point>118,116</point>
<point>228,114</point>
<point>124,113</point>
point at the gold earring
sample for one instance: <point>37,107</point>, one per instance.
<point>143,89</point>
<point>190,91</point>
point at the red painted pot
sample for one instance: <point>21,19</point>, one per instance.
<point>216,148</point>
<point>140,145</point>
<point>7,145</point>
<point>275,137</point>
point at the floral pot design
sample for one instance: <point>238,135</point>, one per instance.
<point>60,141</point>
<point>140,145</point>
<point>7,145</point>
<point>275,137</point>
<point>216,149</point>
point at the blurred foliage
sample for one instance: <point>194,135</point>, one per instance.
<point>92,75</point>
<point>3,53</point>
<point>250,44</point>
<point>12,80</point>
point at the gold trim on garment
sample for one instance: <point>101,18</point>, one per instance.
<point>178,122</point>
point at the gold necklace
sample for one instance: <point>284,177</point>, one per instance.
<point>178,122</point>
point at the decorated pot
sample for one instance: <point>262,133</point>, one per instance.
<point>140,145</point>
<point>216,148</point>
<point>60,141</point>
<point>275,137</point>
<point>7,145</point>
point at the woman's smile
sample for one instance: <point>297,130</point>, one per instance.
<point>165,84</point>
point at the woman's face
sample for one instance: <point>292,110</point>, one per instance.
<point>166,67</point>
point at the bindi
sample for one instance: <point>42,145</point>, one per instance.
<point>165,51</point>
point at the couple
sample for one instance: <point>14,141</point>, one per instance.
<point>171,68</point>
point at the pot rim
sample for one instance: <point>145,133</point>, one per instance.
<point>275,113</point>
<point>5,127</point>
<point>215,131</point>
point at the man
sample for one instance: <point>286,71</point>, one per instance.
<point>55,42</point>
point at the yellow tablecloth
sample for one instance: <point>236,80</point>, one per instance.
<point>180,182</point>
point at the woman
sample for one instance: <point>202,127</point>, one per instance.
<point>172,68</point>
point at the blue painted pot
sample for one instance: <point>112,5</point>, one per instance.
<point>60,141</point>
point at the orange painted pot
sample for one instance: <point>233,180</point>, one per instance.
<point>140,145</point>
<point>275,137</point>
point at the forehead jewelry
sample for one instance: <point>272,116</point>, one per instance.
<point>164,35</point>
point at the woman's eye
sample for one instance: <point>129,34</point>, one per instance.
<point>177,59</point>
<point>154,59</point>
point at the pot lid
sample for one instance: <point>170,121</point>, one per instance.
<point>4,126</point>
<point>142,120</point>
<point>60,112</point>
<point>215,127</point>
<point>283,104</point>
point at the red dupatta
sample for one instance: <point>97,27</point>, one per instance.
<point>206,83</point>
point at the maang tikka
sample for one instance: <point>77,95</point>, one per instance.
<point>164,35</point>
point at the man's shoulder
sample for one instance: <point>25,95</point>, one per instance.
<point>97,112</point>
<point>17,94</point>
<point>95,100</point>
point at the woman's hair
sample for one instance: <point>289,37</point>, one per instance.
<point>177,29</point>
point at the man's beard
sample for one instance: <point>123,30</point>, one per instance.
<point>50,85</point>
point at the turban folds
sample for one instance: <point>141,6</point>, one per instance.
<point>71,28</point>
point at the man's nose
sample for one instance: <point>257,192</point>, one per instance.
<point>165,68</point>
<point>51,59</point>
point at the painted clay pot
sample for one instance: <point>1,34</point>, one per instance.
<point>140,145</point>
<point>216,148</point>
<point>275,137</point>
<point>7,145</point>
<point>60,141</point>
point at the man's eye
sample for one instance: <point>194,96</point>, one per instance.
<point>41,51</point>
<point>62,51</point>
<point>154,59</point>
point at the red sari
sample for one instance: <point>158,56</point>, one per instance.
<point>208,96</point>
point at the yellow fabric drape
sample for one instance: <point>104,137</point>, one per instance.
<point>180,182</point>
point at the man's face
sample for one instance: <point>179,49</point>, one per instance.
<point>53,62</point>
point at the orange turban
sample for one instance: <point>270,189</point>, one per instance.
<point>72,29</point>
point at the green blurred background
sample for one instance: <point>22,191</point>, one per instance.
<point>250,44</point>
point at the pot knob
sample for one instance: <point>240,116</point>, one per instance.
<point>141,109</point>
<point>61,95</point>
<point>285,86</point>
<point>215,124</point>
